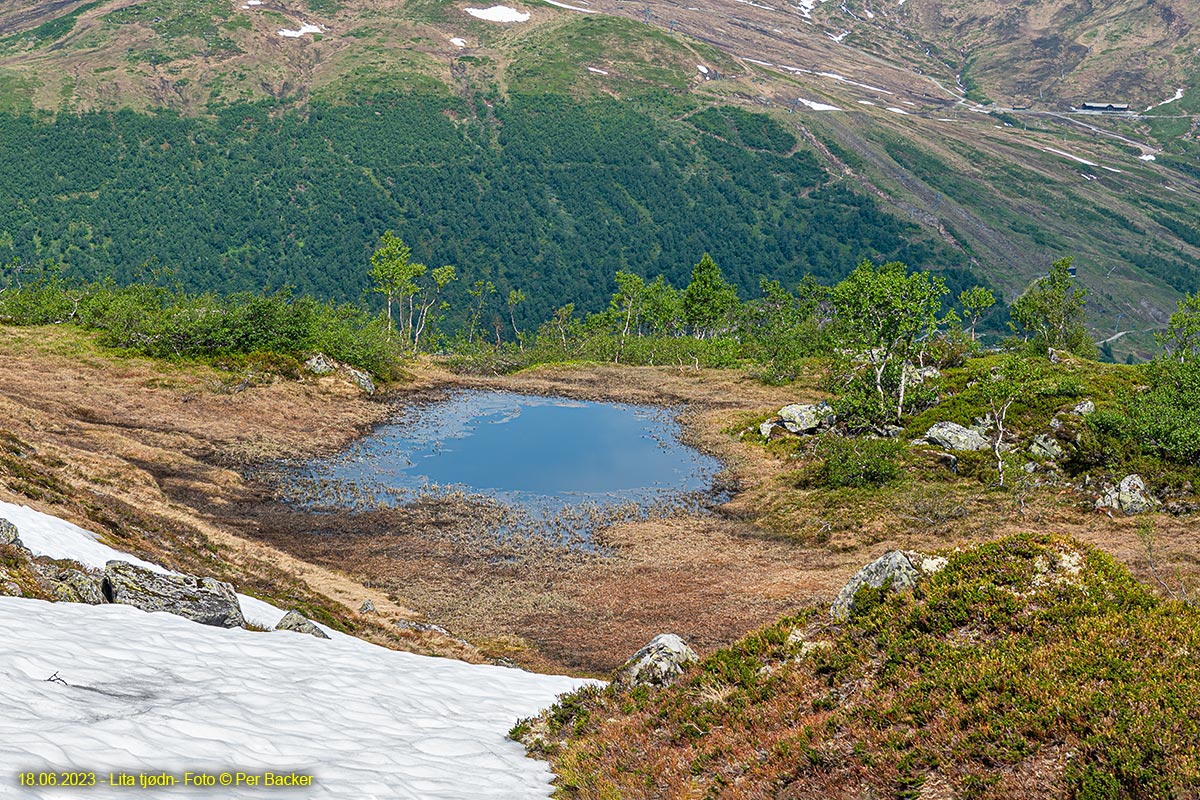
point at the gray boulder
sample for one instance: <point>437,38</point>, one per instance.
<point>298,623</point>
<point>953,436</point>
<point>767,428</point>
<point>321,364</point>
<point>361,379</point>
<point>894,566</point>
<point>367,607</point>
<point>204,600</point>
<point>807,417</point>
<point>8,534</point>
<point>1046,446</point>
<point>1130,496</point>
<point>659,663</point>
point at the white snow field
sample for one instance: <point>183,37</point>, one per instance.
<point>499,14</point>
<point>143,693</point>
<point>296,34</point>
<point>815,106</point>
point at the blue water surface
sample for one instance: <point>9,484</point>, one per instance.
<point>543,453</point>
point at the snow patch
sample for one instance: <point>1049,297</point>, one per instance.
<point>866,102</point>
<point>817,106</point>
<point>756,5</point>
<point>597,71</point>
<point>1146,157</point>
<point>839,37</point>
<point>365,721</point>
<point>161,693</point>
<point>305,28</point>
<point>898,110</point>
<point>499,14</point>
<point>844,79</point>
<point>458,41</point>
<point>702,68</point>
<point>1177,96</point>
<point>570,7</point>
<point>806,7</point>
<point>760,63</point>
<point>1068,155</point>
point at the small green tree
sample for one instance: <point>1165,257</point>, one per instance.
<point>880,312</point>
<point>663,308</point>
<point>515,298</point>
<point>393,271</point>
<point>1051,312</point>
<point>1182,338</point>
<point>1016,377</point>
<point>975,302</point>
<point>442,277</point>
<point>709,300</point>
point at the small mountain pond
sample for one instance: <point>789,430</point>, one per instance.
<point>560,465</point>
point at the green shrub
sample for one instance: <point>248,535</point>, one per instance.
<point>859,462</point>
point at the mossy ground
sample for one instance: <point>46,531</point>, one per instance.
<point>1031,666</point>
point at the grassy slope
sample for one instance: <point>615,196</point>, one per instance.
<point>1029,667</point>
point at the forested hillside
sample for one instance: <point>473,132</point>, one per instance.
<point>536,193</point>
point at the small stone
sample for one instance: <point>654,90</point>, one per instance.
<point>362,380</point>
<point>1046,446</point>
<point>660,663</point>
<point>367,607</point>
<point>1131,496</point>
<point>298,623</point>
<point>321,364</point>
<point>1083,408</point>
<point>807,417</point>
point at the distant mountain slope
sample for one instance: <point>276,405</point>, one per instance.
<point>957,117</point>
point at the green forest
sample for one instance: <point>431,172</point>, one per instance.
<point>540,194</point>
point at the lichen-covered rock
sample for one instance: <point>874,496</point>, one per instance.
<point>204,600</point>
<point>367,607</point>
<point>918,376</point>
<point>321,364</point>
<point>953,436</point>
<point>807,417</point>
<point>70,585</point>
<point>1045,446</point>
<point>1130,496</point>
<point>298,623</point>
<point>8,534</point>
<point>660,663</point>
<point>893,568</point>
<point>767,428</point>
<point>361,379</point>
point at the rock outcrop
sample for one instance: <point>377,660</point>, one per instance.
<point>953,436</point>
<point>896,569</point>
<point>70,585</point>
<point>204,600</point>
<point>298,623</point>
<point>1131,496</point>
<point>660,663</point>
<point>9,534</point>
